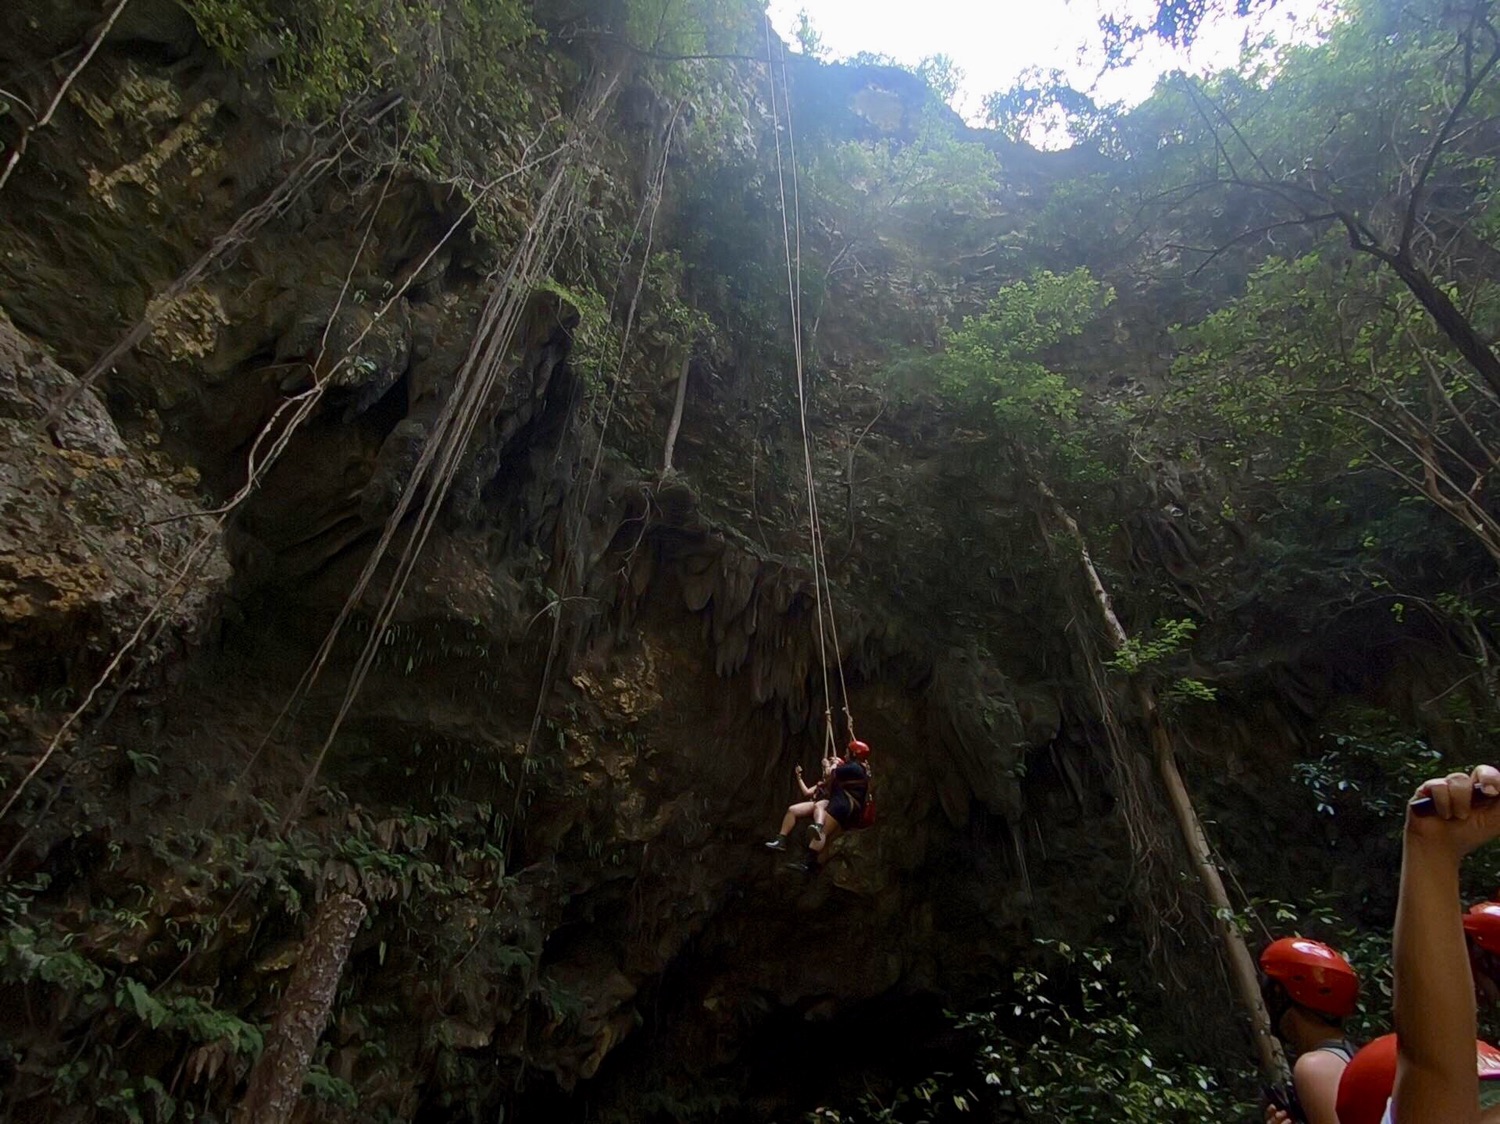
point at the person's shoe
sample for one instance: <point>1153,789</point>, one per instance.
<point>777,844</point>
<point>816,829</point>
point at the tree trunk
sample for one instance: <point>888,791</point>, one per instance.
<point>1242,969</point>
<point>682,381</point>
<point>276,1081</point>
<point>1454,324</point>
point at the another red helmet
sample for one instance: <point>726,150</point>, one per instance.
<point>1313,975</point>
<point>1482,924</point>
<point>858,750</point>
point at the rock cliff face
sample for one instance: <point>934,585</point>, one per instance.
<point>581,720</point>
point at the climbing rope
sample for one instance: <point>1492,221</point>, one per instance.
<point>827,623</point>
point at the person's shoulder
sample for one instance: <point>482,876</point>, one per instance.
<point>1319,1065</point>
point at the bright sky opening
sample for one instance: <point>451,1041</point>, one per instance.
<point>994,41</point>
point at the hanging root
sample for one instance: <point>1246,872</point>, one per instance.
<point>265,451</point>
<point>1157,889</point>
<point>62,91</point>
<point>444,450</point>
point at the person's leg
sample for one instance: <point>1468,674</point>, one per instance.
<point>830,833</point>
<point>819,845</point>
<point>820,823</point>
<point>825,821</point>
<point>794,813</point>
<point>823,825</point>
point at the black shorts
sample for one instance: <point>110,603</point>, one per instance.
<point>844,809</point>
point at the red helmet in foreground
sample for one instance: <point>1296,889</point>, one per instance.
<point>1313,975</point>
<point>1369,1079</point>
<point>858,750</point>
<point>1482,925</point>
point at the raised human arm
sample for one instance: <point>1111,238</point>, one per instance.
<point>1436,1082</point>
<point>802,784</point>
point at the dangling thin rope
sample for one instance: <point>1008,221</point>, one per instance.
<point>444,450</point>
<point>820,556</point>
<point>826,624</point>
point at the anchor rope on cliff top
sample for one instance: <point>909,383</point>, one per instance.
<point>822,587</point>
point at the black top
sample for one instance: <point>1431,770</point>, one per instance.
<point>852,778</point>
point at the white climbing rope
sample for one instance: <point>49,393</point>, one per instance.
<point>827,624</point>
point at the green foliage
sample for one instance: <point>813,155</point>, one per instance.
<point>118,970</point>
<point>669,321</point>
<point>907,205</point>
<point>199,1020</point>
<point>596,339</point>
<point>1375,768</point>
<point>679,39</point>
<point>926,1101</point>
<point>1085,1058</point>
<point>1137,654</point>
<point>1310,366</point>
<point>808,39</point>
<point>1323,915</point>
<point>1314,347</point>
<point>32,951</point>
<point>1174,21</point>
<point>936,177</point>
<point>327,52</point>
<point>28,954</point>
<point>994,362</point>
<point>324,1086</point>
<point>463,69</point>
<point>684,27</point>
<point>943,76</point>
<point>1041,106</point>
<point>36,953</point>
<point>1184,690</point>
<point>1061,1043</point>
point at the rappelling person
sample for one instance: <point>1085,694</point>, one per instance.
<point>1309,990</point>
<point>840,801</point>
<point>807,807</point>
<point>844,809</point>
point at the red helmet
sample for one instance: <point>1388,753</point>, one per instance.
<point>858,749</point>
<point>1482,925</point>
<point>1366,1085</point>
<point>1313,975</point>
